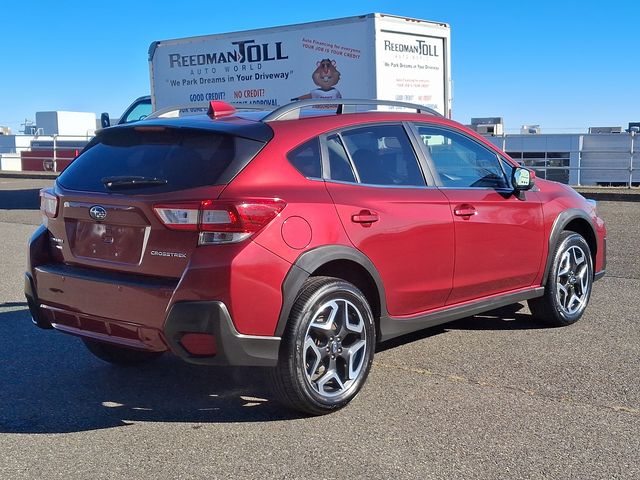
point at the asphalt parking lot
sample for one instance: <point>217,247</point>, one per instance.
<point>490,396</point>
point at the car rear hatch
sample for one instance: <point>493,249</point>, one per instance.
<point>126,217</point>
<point>109,203</point>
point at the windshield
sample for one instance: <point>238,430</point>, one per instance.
<point>140,111</point>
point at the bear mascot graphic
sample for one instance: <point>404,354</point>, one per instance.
<point>325,76</point>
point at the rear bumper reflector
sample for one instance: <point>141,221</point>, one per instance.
<point>199,344</point>
<point>211,319</point>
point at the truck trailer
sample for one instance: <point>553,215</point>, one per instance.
<point>370,56</point>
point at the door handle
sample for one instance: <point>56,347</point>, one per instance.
<point>465,210</point>
<point>365,216</point>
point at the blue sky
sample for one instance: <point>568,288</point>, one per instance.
<point>563,64</point>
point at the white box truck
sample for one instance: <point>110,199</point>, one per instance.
<point>370,56</point>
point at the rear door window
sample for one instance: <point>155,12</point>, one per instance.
<point>340,167</point>
<point>380,154</point>
<point>178,159</point>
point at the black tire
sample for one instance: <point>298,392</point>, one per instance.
<point>555,307</point>
<point>122,356</point>
<point>322,365</point>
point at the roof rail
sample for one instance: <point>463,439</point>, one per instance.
<point>196,108</point>
<point>291,111</point>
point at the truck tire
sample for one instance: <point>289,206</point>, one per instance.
<point>327,347</point>
<point>569,282</point>
<point>121,356</point>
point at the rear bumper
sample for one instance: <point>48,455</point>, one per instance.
<point>208,317</point>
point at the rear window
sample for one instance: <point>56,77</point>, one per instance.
<point>178,159</point>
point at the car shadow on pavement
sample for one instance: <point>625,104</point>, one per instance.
<point>28,199</point>
<point>505,318</point>
<point>50,383</point>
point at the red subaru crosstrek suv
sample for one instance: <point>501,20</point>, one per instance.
<point>298,239</point>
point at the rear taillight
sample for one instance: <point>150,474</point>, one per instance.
<point>220,221</point>
<point>48,203</point>
<point>179,216</point>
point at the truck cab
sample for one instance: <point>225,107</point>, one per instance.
<point>138,110</point>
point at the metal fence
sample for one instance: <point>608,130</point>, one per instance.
<point>578,159</point>
<point>629,182</point>
<point>40,152</point>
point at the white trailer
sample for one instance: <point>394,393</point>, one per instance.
<point>370,56</point>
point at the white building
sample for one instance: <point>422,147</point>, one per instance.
<point>66,123</point>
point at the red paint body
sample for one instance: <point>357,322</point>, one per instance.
<point>427,254</point>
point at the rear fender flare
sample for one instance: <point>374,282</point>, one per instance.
<point>309,262</point>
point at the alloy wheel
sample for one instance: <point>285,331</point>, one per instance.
<point>572,280</point>
<point>335,348</point>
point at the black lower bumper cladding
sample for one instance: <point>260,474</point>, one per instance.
<point>32,301</point>
<point>233,348</point>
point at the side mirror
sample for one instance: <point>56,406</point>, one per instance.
<point>105,121</point>
<point>522,179</point>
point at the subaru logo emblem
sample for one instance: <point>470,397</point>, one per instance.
<point>98,213</point>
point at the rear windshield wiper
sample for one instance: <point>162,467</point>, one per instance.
<point>115,183</point>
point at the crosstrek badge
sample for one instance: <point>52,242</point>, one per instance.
<point>157,253</point>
